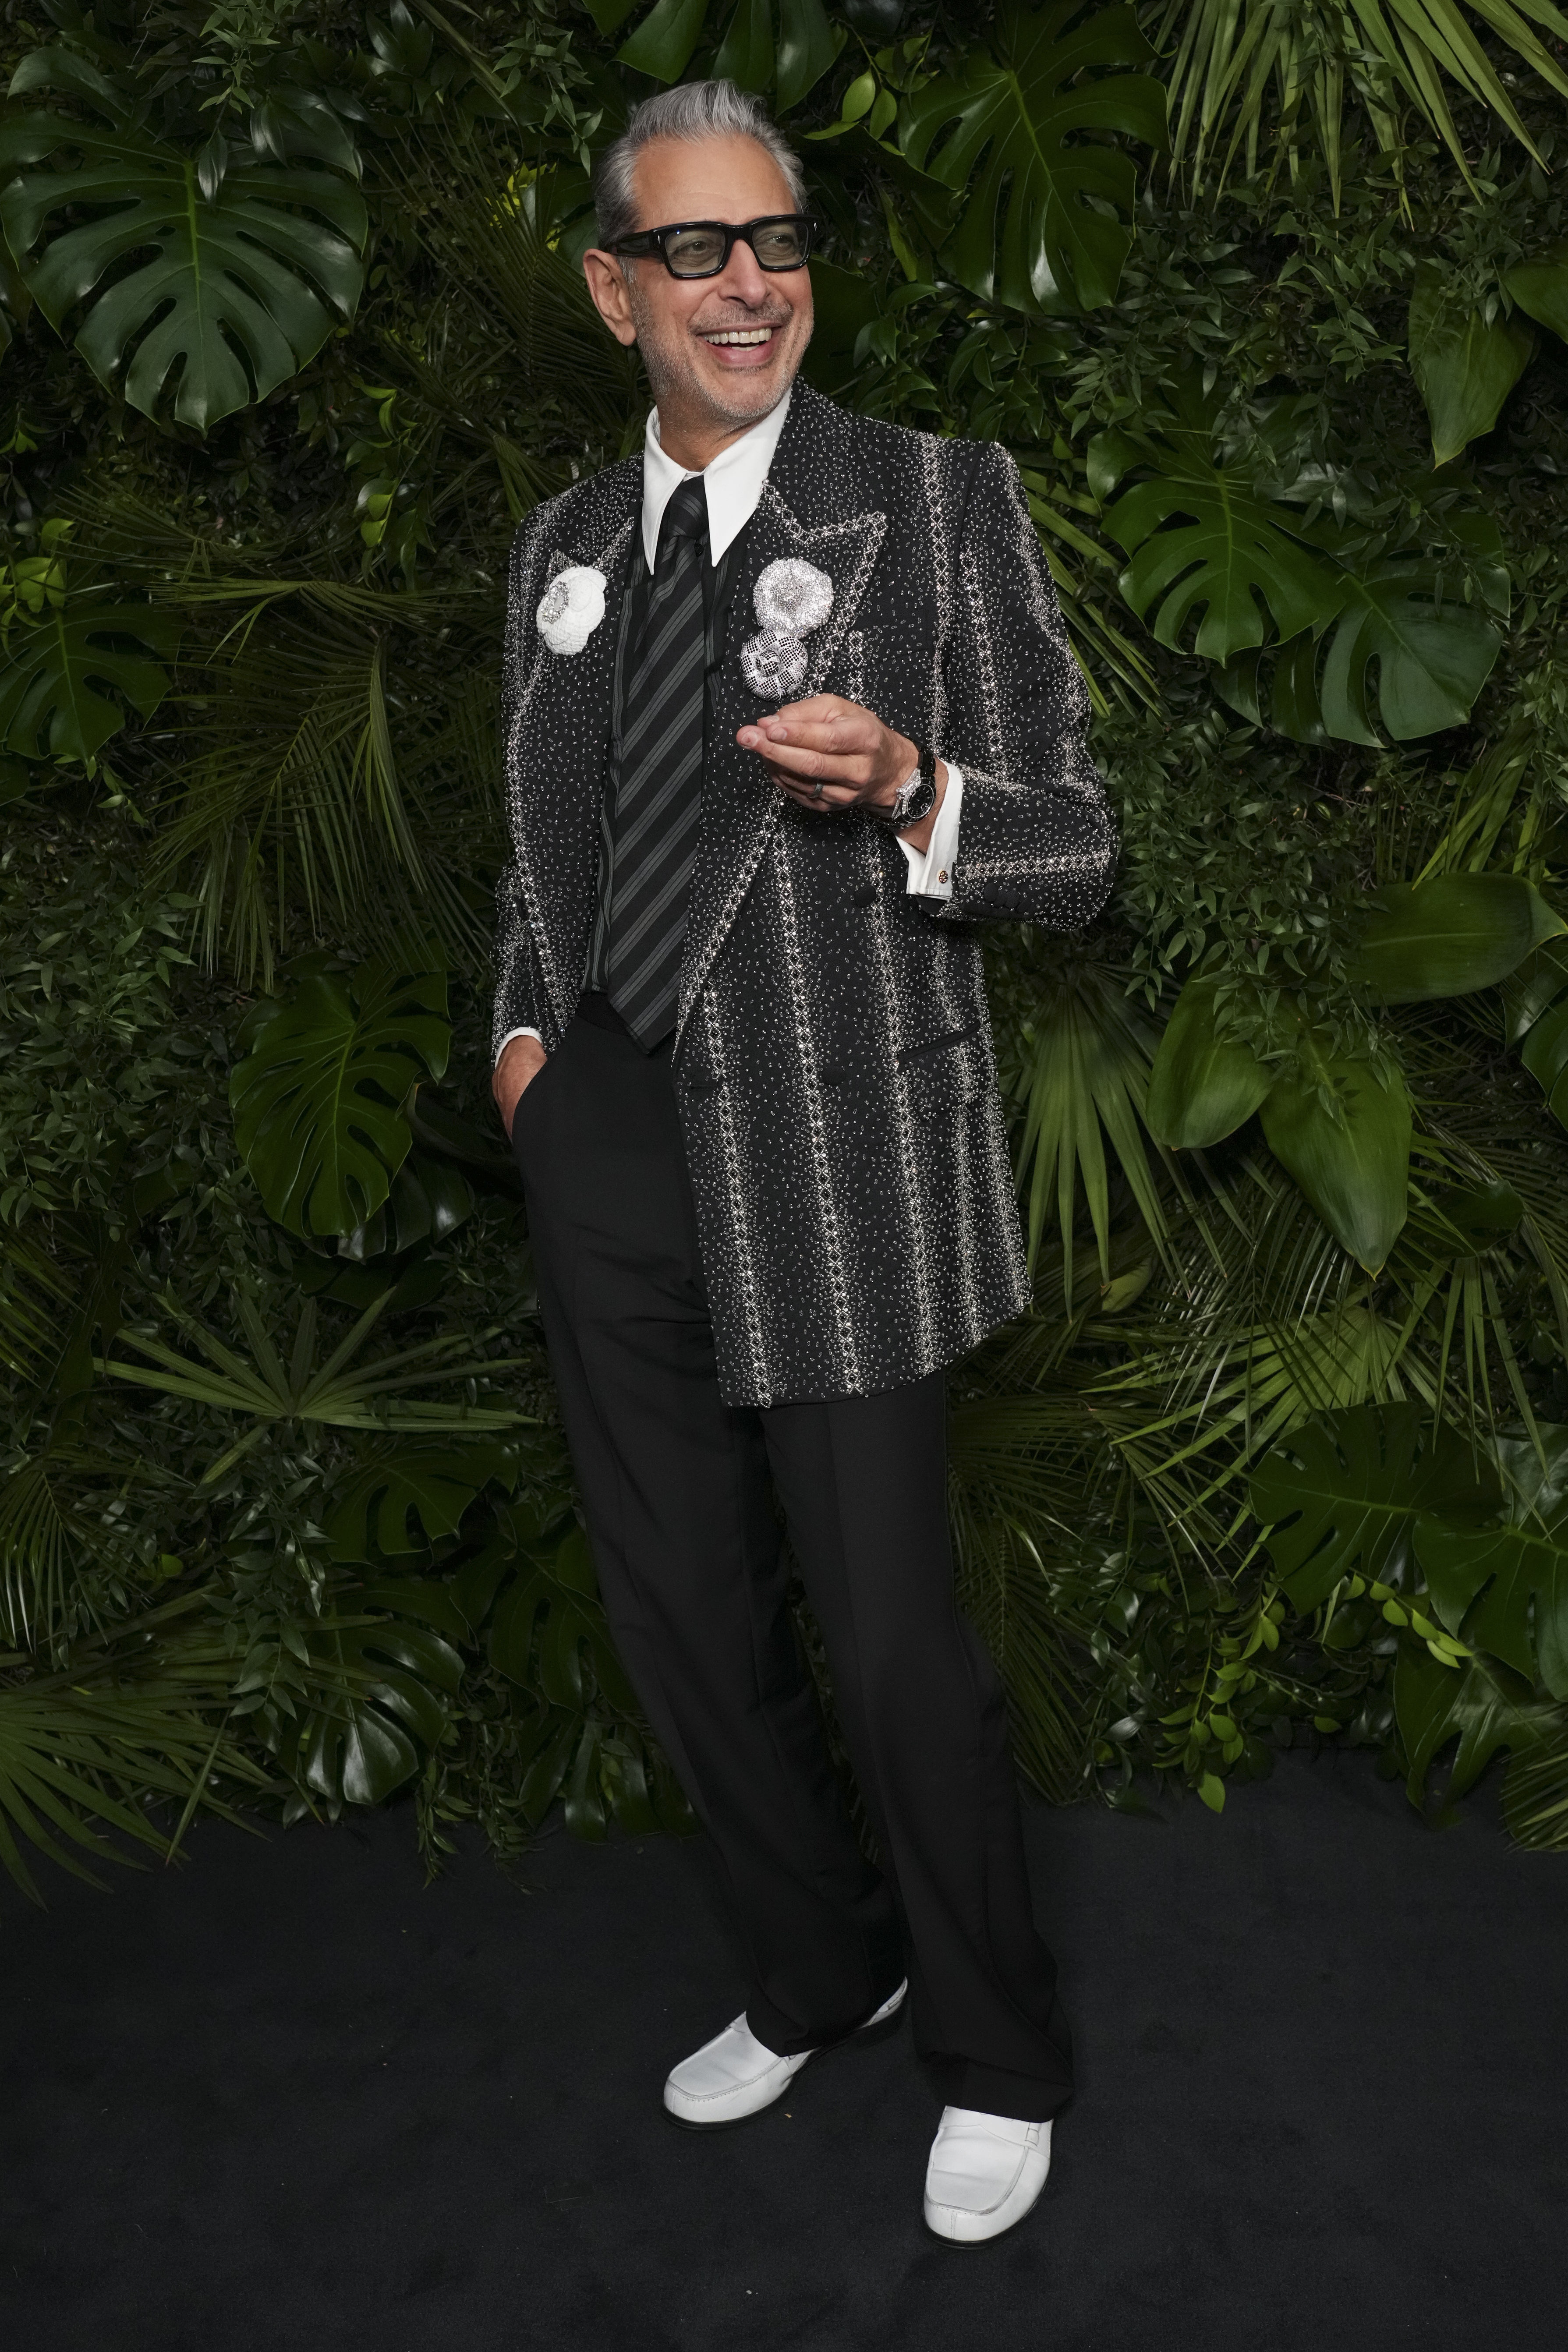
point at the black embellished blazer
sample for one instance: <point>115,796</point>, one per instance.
<point>833,1058</point>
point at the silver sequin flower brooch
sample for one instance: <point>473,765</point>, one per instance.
<point>571,608</point>
<point>791,598</point>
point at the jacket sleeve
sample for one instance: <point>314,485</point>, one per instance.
<point>515,1005</point>
<point>1037,840</point>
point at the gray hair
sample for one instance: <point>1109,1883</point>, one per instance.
<point>692,110</point>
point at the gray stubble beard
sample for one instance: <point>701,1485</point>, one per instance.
<point>666,373</point>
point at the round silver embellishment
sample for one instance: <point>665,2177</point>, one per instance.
<point>774,664</point>
<point>791,596</point>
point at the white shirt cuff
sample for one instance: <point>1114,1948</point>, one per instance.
<point>506,1041</point>
<point>931,869</point>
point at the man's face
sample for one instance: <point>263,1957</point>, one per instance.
<point>725,348</point>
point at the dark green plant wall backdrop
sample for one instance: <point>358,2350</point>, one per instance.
<point>1269,302</point>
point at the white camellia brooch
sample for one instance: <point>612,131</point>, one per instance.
<point>791,598</point>
<point>571,608</point>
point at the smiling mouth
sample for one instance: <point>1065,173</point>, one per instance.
<point>732,335</point>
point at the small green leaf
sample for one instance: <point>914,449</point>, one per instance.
<point>663,42</point>
<point>1202,1087</point>
<point>806,49</point>
<point>746,53</point>
<point>1473,1217</point>
<point>857,98</point>
<point>1450,936</point>
<point>1211,1789</point>
<point>1465,367</point>
<point>1540,288</point>
<point>1107,458</point>
<point>1352,1163</point>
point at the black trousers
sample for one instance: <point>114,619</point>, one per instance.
<point>679,1493</point>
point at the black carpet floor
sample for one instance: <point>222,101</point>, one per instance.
<point>289,2096</point>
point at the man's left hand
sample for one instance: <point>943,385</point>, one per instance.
<point>830,755</point>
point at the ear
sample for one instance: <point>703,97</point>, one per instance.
<point>611,295</point>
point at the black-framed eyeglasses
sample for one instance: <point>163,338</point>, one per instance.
<point>702,248</point>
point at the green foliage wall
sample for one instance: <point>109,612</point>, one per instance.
<point>1269,303</point>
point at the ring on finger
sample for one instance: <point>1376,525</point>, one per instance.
<point>816,790</point>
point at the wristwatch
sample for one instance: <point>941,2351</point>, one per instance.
<point>915,798</point>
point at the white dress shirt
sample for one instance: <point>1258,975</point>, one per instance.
<point>734,481</point>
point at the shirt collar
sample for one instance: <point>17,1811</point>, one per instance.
<point>733,481</point>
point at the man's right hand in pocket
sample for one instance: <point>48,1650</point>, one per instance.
<point>519,1066</point>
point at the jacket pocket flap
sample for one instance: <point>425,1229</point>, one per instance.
<point>945,1071</point>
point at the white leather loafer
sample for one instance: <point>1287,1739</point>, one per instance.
<point>735,2075</point>
<point>985,2173</point>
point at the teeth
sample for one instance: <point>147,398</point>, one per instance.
<point>741,335</point>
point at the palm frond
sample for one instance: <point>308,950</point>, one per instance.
<point>264,1390</point>
<point>1247,75</point>
<point>33,1291</point>
<point>494,245</point>
<point>81,1753</point>
<point>1080,1072</point>
<point>38,1550</point>
<point>1535,1794</point>
<point>308,787</point>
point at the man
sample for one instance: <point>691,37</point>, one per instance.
<point>788,706</point>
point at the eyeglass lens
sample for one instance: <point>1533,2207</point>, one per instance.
<point>698,252</point>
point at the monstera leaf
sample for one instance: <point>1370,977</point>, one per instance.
<point>398,1503</point>
<point>1464,363</point>
<point>230,288</point>
<point>1505,1587</point>
<point>749,54</point>
<point>550,1623</point>
<point>1451,935</point>
<point>1341,1496</point>
<point>378,1692</point>
<point>1476,1703</point>
<point>1352,1163</point>
<point>318,1099</point>
<point>1400,647</point>
<point>1203,540</point>
<point>1434,654</point>
<point>428,1200</point>
<point>1202,1086</point>
<point>1209,542</point>
<point>1046,227</point>
<point>59,674</point>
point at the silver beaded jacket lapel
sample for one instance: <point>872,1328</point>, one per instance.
<point>561,717</point>
<point>740,804</point>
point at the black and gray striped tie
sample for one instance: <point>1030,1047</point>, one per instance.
<point>659,790</point>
